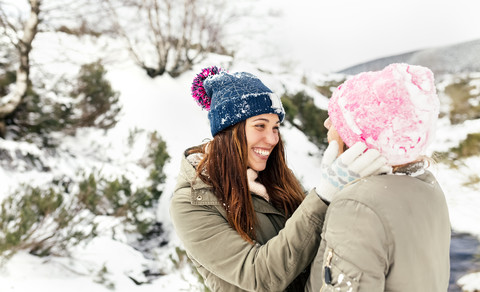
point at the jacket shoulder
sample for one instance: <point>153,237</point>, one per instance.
<point>380,189</point>
<point>190,188</point>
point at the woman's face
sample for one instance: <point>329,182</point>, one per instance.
<point>262,136</point>
<point>332,135</point>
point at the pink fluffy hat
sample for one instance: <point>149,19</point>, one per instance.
<point>393,110</point>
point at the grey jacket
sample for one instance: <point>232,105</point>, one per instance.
<point>385,233</point>
<point>277,262</point>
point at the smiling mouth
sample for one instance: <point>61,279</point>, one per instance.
<point>261,152</point>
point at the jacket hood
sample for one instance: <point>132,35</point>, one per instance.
<point>201,192</point>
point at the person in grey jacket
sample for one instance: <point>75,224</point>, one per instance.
<point>239,211</point>
<point>388,232</point>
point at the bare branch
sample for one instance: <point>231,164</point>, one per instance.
<point>10,102</point>
<point>169,36</point>
<point>118,28</point>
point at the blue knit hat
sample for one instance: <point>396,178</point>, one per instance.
<point>232,98</point>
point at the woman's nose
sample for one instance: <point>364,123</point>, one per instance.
<point>271,137</point>
<point>327,123</point>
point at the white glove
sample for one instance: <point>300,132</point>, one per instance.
<point>353,164</point>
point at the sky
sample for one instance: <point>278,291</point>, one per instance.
<point>333,35</point>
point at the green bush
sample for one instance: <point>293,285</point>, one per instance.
<point>92,103</point>
<point>301,112</point>
<point>37,116</point>
<point>157,157</point>
<point>462,108</point>
<point>43,222</point>
<point>51,221</point>
<point>97,101</point>
<point>327,87</point>
<point>25,160</point>
<point>6,78</point>
<point>117,197</point>
<point>468,147</point>
<point>291,110</point>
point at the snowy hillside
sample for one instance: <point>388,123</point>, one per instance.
<point>450,59</point>
<point>113,260</point>
<point>164,105</point>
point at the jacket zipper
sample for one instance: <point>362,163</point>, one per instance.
<point>327,268</point>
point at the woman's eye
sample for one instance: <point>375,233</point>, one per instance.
<point>260,126</point>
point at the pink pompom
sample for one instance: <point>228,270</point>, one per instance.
<point>198,91</point>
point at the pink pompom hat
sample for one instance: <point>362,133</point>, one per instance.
<point>393,110</point>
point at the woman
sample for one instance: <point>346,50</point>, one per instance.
<point>386,232</point>
<point>235,193</point>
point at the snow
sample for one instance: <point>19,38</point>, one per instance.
<point>470,282</point>
<point>164,105</point>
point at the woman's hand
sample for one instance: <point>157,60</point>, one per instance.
<point>351,165</point>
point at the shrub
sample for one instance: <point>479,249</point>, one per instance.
<point>463,106</point>
<point>25,160</point>
<point>117,198</point>
<point>97,101</point>
<point>6,78</point>
<point>92,103</point>
<point>157,157</point>
<point>43,222</point>
<point>327,87</point>
<point>301,112</point>
<point>37,116</point>
<point>468,147</point>
<point>102,278</point>
<point>51,221</point>
<point>473,181</point>
<point>291,110</point>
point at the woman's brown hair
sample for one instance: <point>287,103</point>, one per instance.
<point>224,167</point>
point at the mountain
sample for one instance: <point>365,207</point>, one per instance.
<point>452,59</point>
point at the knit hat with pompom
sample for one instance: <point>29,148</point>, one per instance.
<point>393,110</point>
<point>231,98</point>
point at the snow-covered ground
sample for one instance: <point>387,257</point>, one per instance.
<point>164,105</point>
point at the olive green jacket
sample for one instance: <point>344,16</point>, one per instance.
<point>276,262</point>
<point>385,233</point>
